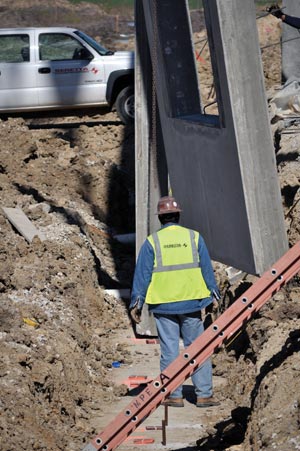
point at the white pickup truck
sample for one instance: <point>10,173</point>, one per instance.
<point>55,68</point>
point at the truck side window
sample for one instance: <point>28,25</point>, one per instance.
<point>59,46</point>
<point>14,48</point>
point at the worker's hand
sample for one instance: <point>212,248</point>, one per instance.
<point>275,11</point>
<point>135,314</point>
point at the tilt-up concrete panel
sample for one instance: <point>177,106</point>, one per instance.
<point>290,44</point>
<point>221,168</point>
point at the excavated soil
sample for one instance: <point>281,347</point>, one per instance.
<point>73,176</point>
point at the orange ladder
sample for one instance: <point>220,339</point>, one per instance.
<point>194,355</point>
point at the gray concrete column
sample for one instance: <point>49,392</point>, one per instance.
<point>222,168</point>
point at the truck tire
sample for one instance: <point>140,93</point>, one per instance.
<point>125,105</point>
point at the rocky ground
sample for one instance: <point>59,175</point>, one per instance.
<point>74,179</point>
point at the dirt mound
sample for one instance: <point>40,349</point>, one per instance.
<point>74,179</point>
<point>56,319</point>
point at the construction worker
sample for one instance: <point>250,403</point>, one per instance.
<point>289,20</point>
<point>174,276</point>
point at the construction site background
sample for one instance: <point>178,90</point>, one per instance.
<point>61,330</point>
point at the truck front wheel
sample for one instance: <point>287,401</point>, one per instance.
<point>125,105</point>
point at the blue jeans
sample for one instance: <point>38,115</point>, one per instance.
<point>189,326</point>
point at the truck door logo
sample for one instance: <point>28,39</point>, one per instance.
<point>68,70</point>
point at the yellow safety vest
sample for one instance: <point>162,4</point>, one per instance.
<point>176,274</point>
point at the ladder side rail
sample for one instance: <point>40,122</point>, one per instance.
<point>181,368</point>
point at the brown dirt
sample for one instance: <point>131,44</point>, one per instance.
<point>74,179</point>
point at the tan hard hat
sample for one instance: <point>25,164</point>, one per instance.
<point>167,204</point>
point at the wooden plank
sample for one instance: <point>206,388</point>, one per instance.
<point>22,223</point>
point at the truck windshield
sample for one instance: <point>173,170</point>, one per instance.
<point>96,46</point>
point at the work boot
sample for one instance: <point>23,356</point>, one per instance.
<point>173,402</point>
<point>207,402</point>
